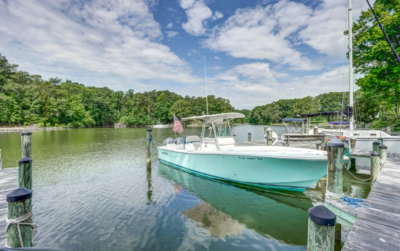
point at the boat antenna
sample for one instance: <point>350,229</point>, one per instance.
<point>205,76</point>
<point>383,30</point>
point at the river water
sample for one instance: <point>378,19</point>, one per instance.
<point>91,191</point>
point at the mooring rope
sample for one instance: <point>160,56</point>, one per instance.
<point>19,221</point>
<point>354,203</point>
<point>347,153</point>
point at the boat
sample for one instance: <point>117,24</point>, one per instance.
<point>218,157</point>
<point>160,125</point>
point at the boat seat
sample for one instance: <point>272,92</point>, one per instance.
<point>226,141</point>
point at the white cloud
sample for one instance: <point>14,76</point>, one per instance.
<point>263,33</point>
<point>217,58</point>
<point>197,12</point>
<point>217,15</point>
<point>112,43</point>
<point>217,68</point>
<point>324,31</point>
<point>171,33</point>
<point>170,25</point>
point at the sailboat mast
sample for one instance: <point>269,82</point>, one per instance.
<point>351,80</point>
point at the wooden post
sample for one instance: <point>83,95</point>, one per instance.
<point>249,136</point>
<point>321,229</point>
<point>353,143</point>
<point>269,137</point>
<point>319,146</point>
<point>335,166</point>
<point>234,137</point>
<point>375,146</point>
<point>1,162</point>
<point>375,166</point>
<point>383,151</point>
<point>19,205</point>
<point>338,236</point>
<point>315,130</point>
<point>287,140</point>
<point>25,173</point>
<point>380,140</point>
<point>26,141</point>
<point>149,138</point>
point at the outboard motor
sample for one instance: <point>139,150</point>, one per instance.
<point>179,141</point>
<point>168,141</point>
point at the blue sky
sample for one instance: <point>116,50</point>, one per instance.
<point>257,51</point>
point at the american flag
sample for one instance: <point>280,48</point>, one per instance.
<point>177,125</point>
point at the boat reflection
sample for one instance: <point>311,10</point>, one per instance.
<point>270,214</point>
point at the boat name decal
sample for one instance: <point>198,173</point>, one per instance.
<point>250,158</point>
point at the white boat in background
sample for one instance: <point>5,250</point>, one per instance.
<point>160,125</point>
<point>218,157</point>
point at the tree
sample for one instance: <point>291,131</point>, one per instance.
<point>305,105</point>
<point>180,108</point>
<point>372,54</point>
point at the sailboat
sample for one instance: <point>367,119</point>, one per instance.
<point>365,137</point>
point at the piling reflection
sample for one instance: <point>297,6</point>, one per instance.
<point>270,214</point>
<point>149,187</point>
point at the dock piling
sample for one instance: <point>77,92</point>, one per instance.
<point>321,229</point>
<point>19,225</point>
<point>335,166</point>
<point>149,138</point>
<point>383,152</point>
<point>249,136</point>
<point>315,130</point>
<point>353,142</point>
<point>269,137</point>
<point>25,173</point>
<point>375,146</point>
<point>375,166</point>
<point>26,144</point>
<point>1,162</point>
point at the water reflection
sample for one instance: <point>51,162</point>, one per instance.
<point>269,214</point>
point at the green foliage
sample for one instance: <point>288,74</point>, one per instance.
<point>374,57</point>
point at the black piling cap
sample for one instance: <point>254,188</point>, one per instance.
<point>322,216</point>
<point>380,139</point>
<point>25,160</point>
<point>375,154</point>
<point>149,130</point>
<point>335,142</point>
<point>382,147</point>
<point>26,133</point>
<point>19,194</point>
<point>375,143</point>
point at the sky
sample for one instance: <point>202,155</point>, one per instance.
<point>254,52</point>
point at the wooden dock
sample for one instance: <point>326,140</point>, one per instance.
<point>377,228</point>
<point>8,182</point>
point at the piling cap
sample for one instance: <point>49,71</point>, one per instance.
<point>26,133</point>
<point>149,130</point>
<point>19,194</point>
<point>335,142</point>
<point>380,139</point>
<point>375,154</point>
<point>375,143</point>
<point>382,147</point>
<point>322,216</point>
<point>25,160</point>
<point>234,134</point>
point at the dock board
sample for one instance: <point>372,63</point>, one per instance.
<point>379,228</point>
<point>8,182</point>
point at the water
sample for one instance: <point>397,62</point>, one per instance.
<point>91,191</point>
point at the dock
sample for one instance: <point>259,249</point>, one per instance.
<point>8,182</point>
<point>378,227</point>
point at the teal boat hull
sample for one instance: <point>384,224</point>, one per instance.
<point>263,172</point>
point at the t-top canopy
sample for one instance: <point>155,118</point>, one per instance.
<point>293,120</point>
<point>217,117</point>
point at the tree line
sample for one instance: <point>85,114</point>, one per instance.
<point>28,99</point>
